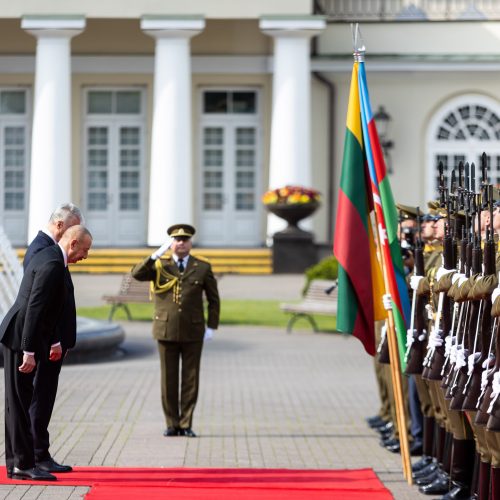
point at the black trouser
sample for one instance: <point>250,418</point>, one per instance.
<point>18,394</point>
<point>42,404</point>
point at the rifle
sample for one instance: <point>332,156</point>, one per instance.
<point>476,308</point>
<point>459,350</point>
<point>476,387</point>
<point>417,333</point>
<point>435,357</point>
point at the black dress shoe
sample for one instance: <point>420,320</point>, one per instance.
<point>33,474</point>
<point>420,464</point>
<point>389,426</point>
<point>426,470</point>
<point>189,432</point>
<point>439,486</point>
<point>51,465</point>
<point>394,448</point>
<point>429,478</point>
<point>375,421</point>
<point>170,431</point>
<point>389,442</point>
<point>458,491</point>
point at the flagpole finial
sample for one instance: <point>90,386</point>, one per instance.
<point>357,43</point>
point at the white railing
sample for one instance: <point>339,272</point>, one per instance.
<point>11,274</point>
<point>408,10</point>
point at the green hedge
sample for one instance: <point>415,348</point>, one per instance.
<point>326,269</point>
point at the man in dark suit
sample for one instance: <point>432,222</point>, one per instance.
<point>48,370</point>
<point>179,325</point>
<point>27,333</point>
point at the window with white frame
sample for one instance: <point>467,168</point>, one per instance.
<point>461,131</point>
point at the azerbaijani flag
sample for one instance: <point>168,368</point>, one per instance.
<point>360,284</point>
<point>387,215</point>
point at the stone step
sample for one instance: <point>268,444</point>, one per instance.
<point>223,260</point>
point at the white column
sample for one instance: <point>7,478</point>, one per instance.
<point>50,180</point>
<point>290,157</point>
<point>171,180</point>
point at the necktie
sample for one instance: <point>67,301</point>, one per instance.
<point>181,265</point>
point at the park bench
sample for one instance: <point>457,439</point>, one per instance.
<point>131,291</point>
<point>320,298</point>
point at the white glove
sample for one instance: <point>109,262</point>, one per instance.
<point>495,294</point>
<point>414,281</point>
<point>158,253</point>
<point>443,272</point>
<point>209,334</point>
<point>387,301</point>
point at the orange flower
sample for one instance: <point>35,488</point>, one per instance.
<point>290,195</point>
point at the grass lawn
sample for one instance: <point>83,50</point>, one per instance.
<point>233,312</point>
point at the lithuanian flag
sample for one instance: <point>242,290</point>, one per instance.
<point>360,284</point>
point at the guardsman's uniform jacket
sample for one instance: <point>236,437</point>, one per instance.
<point>178,297</point>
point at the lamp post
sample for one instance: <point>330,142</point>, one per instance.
<point>382,120</point>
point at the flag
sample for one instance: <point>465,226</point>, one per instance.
<point>387,216</point>
<point>360,285</point>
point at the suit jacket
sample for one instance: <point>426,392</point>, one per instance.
<point>30,323</point>
<point>66,328</point>
<point>178,314</point>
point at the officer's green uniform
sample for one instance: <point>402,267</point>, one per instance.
<point>179,326</point>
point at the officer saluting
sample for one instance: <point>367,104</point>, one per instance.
<point>178,282</point>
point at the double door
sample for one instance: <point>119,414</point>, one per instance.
<point>230,182</point>
<point>114,179</point>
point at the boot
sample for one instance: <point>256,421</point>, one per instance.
<point>483,490</point>
<point>428,425</point>
<point>461,469</point>
<point>439,443</point>
<point>475,477</point>
<point>447,452</point>
<point>495,483</point>
<point>420,464</point>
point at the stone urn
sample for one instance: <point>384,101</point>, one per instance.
<point>293,213</point>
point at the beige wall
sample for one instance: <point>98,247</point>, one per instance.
<point>319,157</point>
<point>460,38</point>
<point>135,8</point>
<point>124,36</point>
<point>411,99</point>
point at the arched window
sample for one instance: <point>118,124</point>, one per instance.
<point>460,131</point>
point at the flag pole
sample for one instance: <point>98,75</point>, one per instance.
<point>395,365</point>
<point>359,53</point>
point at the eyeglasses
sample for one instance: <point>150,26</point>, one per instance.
<point>181,238</point>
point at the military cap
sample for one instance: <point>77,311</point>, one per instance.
<point>406,212</point>
<point>436,210</point>
<point>427,217</point>
<point>181,231</point>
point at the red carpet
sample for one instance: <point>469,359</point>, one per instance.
<point>221,484</point>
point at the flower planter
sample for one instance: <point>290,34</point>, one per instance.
<point>293,213</point>
<point>293,248</point>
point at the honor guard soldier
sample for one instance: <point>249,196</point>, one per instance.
<point>178,283</point>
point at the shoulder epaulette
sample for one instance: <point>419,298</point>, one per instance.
<point>203,259</point>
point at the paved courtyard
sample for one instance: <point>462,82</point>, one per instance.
<point>267,399</point>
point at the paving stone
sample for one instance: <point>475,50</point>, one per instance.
<point>267,399</point>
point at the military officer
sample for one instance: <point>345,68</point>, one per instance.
<point>178,282</point>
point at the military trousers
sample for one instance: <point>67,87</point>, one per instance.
<point>180,367</point>
<point>383,388</point>
<point>424,396</point>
